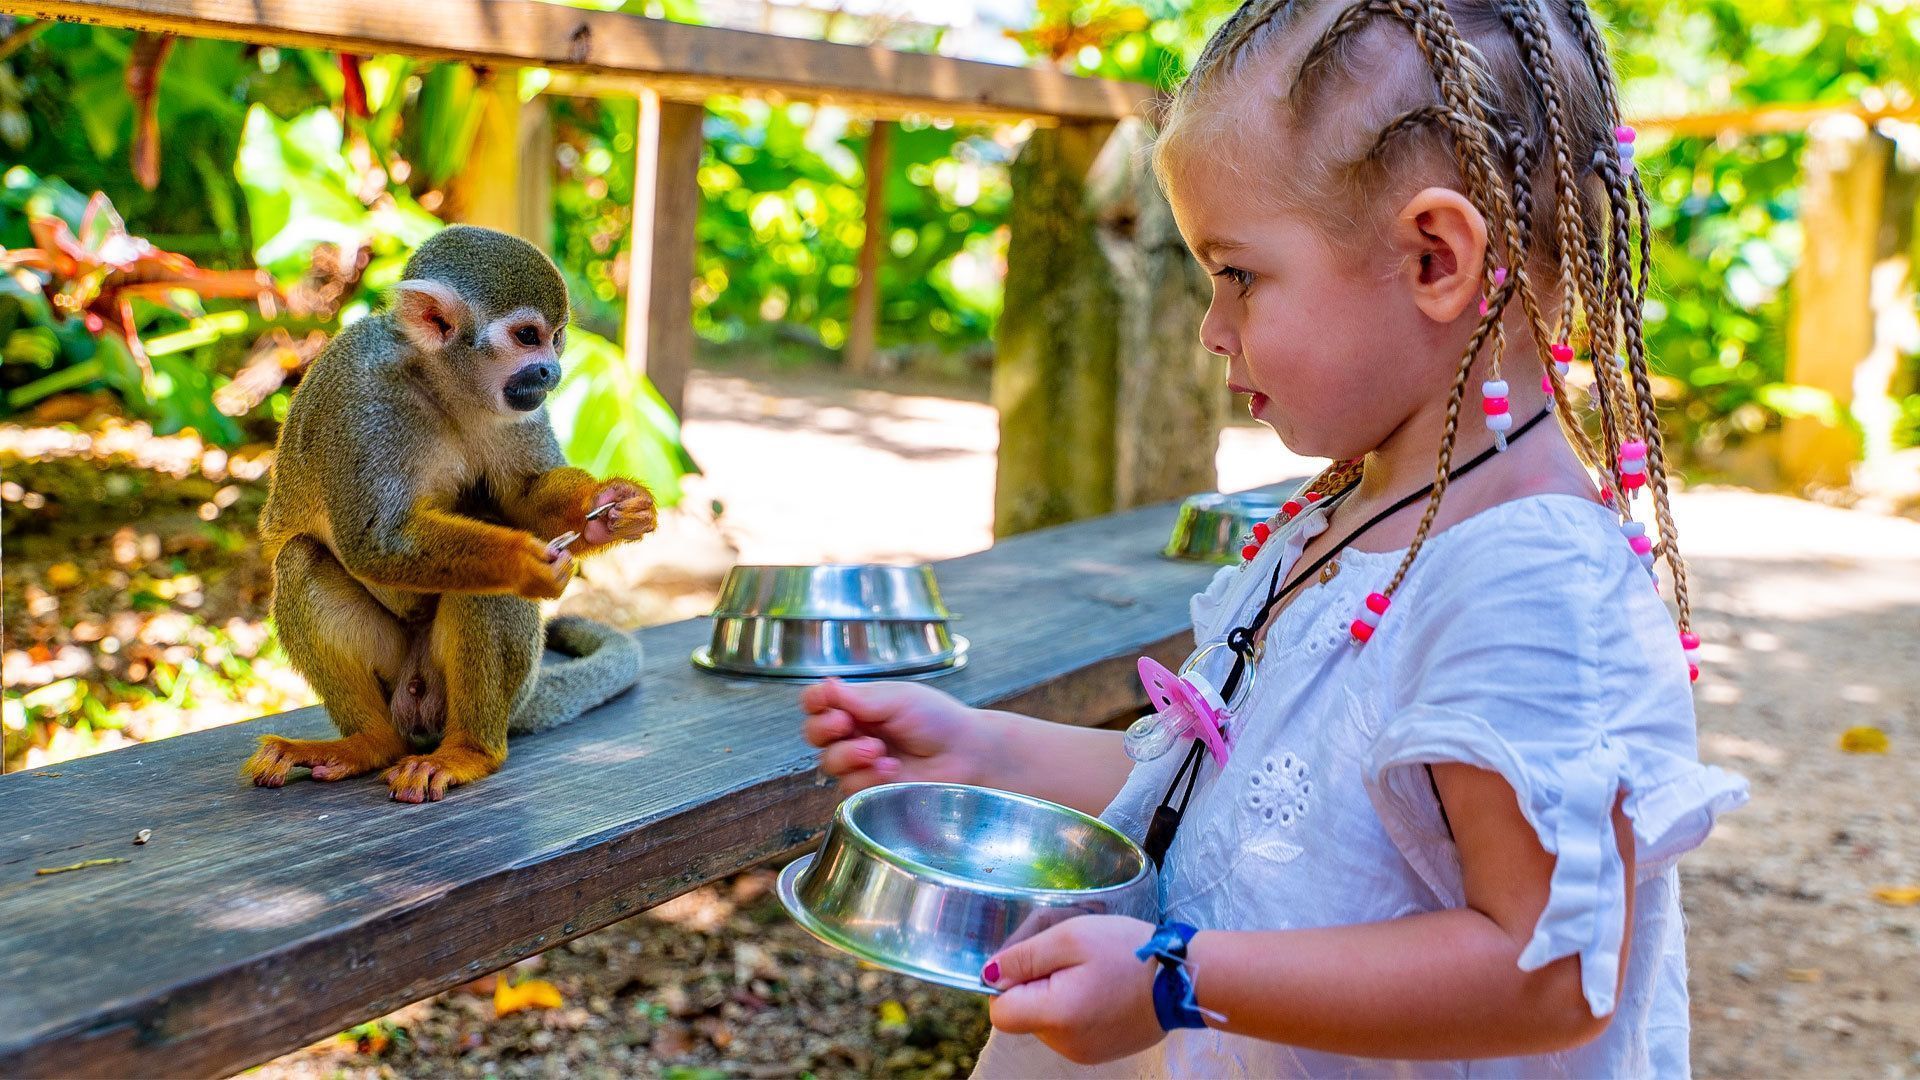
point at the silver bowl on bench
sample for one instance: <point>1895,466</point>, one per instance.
<point>1214,526</point>
<point>848,621</point>
<point>931,880</point>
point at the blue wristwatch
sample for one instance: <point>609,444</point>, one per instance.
<point>1173,1002</point>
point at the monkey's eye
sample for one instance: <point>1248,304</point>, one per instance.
<point>527,335</point>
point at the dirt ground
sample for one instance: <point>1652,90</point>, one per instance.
<point>1811,618</point>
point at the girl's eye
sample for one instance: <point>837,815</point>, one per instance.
<point>527,335</point>
<point>1239,277</point>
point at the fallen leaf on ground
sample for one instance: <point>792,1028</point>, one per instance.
<point>893,1016</point>
<point>1864,740</point>
<point>63,575</point>
<point>1898,895</point>
<point>43,871</point>
<point>532,994</point>
<point>1805,975</point>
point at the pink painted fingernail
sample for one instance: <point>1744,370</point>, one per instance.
<point>992,972</point>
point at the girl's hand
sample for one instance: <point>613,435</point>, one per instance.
<point>878,733</point>
<point>1080,988</point>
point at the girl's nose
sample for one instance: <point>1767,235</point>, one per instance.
<point>1216,336</point>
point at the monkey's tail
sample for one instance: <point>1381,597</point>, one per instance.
<point>602,662</point>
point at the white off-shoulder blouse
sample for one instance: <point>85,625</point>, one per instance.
<point>1527,640</point>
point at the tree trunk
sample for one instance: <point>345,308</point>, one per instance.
<point>1106,399</point>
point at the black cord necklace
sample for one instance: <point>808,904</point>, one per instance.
<point>1166,816</point>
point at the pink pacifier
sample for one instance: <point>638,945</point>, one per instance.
<point>1187,707</point>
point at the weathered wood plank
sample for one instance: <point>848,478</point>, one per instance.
<point>685,62</point>
<point>256,921</point>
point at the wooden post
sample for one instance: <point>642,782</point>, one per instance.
<point>1106,399</point>
<point>486,189</point>
<point>535,209</point>
<point>1830,331</point>
<point>866,292</point>
<point>666,204</point>
<point>507,180</point>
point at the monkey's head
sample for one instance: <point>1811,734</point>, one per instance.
<point>492,309</point>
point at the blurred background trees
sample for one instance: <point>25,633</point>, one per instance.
<point>184,222</point>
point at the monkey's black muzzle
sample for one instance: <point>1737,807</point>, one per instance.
<point>527,389</point>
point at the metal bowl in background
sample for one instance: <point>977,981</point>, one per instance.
<point>831,592</point>
<point>1214,526</point>
<point>931,880</point>
<point>822,648</point>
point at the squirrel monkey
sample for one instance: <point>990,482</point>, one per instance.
<point>414,487</point>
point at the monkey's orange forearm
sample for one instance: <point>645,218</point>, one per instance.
<point>552,502</point>
<point>440,551</point>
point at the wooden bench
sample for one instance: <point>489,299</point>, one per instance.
<point>254,922</point>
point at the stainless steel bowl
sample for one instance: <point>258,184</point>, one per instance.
<point>831,592</point>
<point>932,880</point>
<point>1213,527</point>
<point>819,648</point>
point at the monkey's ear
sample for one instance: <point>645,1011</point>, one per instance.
<point>429,313</point>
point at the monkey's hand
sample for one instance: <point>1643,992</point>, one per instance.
<point>543,572</point>
<point>632,517</point>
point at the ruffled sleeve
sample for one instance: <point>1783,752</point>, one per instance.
<point>1530,645</point>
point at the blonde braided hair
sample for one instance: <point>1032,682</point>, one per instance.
<point>1538,97</point>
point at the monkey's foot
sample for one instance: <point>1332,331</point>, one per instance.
<point>426,777</point>
<point>329,759</point>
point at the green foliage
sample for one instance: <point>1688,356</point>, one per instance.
<point>611,420</point>
<point>258,170</point>
<point>781,222</point>
<point>300,193</point>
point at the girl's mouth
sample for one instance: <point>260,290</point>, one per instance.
<point>1256,400</point>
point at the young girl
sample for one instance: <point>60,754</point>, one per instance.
<point>1463,762</point>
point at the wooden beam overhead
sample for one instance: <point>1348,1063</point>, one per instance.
<point>678,61</point>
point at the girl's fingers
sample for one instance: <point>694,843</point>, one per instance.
<point>826,728</point>
<point>867,703</point>
<point>1035,958</point>
<point>1025,1009</point>
<point>818,697</point>
<point>850,755</point>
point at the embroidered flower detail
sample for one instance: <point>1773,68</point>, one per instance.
<point>1279,790</point>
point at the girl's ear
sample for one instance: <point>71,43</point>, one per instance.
<point>429,313</point>
<point>1444,241</point>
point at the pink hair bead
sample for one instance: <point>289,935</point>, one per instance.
<point>1623,137</point>
<point>1363,627</point>
<point>1494,404</point>
<point>1249,552</point>
<point>1633,464</point>
<point>1562,363</point>
<point>1290,508</point>
<point>1261,530</point>
<point>1642,545</point>
<point>1690,646</point>
<point>1499,279</point>
<point>1314,496</point>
